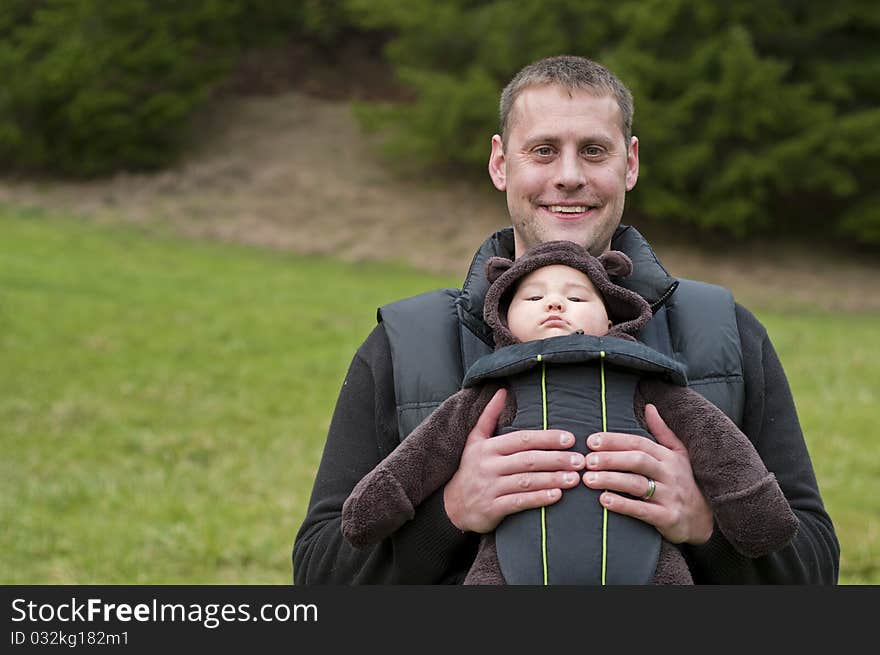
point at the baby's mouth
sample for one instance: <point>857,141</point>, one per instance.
<point>554,320</point>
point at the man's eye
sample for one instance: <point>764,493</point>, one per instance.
<point>594,151</point>
<point>543,151</point>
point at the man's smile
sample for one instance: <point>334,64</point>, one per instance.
<point>568,211</point>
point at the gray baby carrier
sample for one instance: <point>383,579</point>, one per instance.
<point>582,384</point>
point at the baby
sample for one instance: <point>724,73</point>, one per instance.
<point>556,300</point>
<point>566,350</point>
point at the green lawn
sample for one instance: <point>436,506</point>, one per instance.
<point>833,365</point>
<point>164,403</point>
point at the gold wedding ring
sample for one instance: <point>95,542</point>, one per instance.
<point>652,487</point>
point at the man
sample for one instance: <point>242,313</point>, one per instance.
<point>565,158</point>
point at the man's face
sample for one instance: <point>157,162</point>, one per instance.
<point>566,167</point>
<point>556,300</point>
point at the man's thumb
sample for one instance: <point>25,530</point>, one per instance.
<point>657,427</point>
<point>488,420</point>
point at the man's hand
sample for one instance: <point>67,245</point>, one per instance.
<point>625,463</point>
<point>502,475</point>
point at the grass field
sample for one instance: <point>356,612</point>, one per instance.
<point>163,402</point>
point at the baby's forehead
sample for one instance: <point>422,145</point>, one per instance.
<point>557,274</point>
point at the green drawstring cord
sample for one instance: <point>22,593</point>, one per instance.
<point>543,509</point>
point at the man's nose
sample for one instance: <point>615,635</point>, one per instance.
<point>570,172</point>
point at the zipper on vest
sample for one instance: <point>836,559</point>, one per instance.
<point>662,299</point>
<point>544,509</point>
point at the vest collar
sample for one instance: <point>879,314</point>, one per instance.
<point>649,278</point>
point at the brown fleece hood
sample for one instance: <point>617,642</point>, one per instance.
<point>627,310</point>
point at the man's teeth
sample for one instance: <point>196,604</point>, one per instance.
<point>567,210</point>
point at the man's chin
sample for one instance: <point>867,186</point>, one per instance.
<point>594,235</point>
<point>585,236</point>
<point>589,234</point>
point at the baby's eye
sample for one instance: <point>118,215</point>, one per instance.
<point>576,299</point>
<point>534,298</point>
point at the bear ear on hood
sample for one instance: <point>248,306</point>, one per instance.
<point>496,266</point>
<point>616,263</point>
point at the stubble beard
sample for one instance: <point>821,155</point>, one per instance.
<point>595,236</point>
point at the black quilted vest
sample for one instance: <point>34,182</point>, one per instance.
<point>436,336</point>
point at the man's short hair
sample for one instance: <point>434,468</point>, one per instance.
<point>570,73</point>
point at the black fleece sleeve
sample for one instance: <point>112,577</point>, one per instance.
<point>771,423</point>
<point>429,549</point>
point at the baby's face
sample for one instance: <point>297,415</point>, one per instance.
<point>556,300</point>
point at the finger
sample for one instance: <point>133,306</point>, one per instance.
<point>652,513</point>
<point>657,427</point>
<point>539,460</point>
<point>521,440</point>
<point>488,420</point>
<point>512,503</point>
<point>633,484</point>
<point>523,482</point>
<point>608,441</point>
<point>631,461</point>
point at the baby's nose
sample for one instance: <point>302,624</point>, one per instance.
<point>555,305</point>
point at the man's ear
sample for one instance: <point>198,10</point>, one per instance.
<point>616,263</point>
<point>497,164</point>
<point>632,164</point>
<point>496,266</point>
